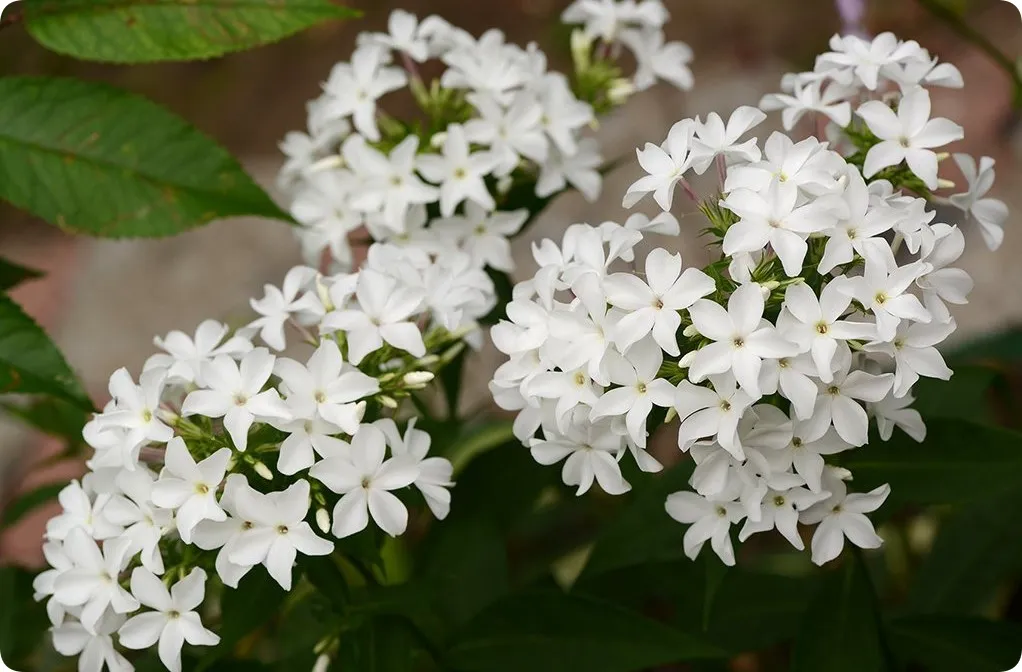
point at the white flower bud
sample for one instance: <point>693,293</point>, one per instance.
<point>324,295</point>
<point>672,413</point>
<point>428,360</point>
<point>417,378</point>
<point>690,331</point>
<point>686,360</point>
<point>945,184</point>
<point>329,163</point>
<point>322,664</point>
<point>389,402</point>
<point>581,49</point>
<point>263,471</point>
<point>504,184</point>
<point>437,141</point>
<point>620,91</point>
<point>323,520</point>
<point>360,410</point>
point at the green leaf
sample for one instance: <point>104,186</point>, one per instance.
<point>384,644</point>
<point>23,621</point>
<point>54,417</point>
<point>253,604</point>
<point>28,502</point>
<point>1004,345</point>
<point>642,532</point>
<point>97,160</point>
<point>959,461</point>
<point>476,440</point>
<point>137,31</point>
<point>29,361</point>
<point>977,548</point>
<point>466,568</point>
<point>12,274</point>
<point>450,380</point>
<point>546,631</point>
<point>841,631</point>
<point>965,396</point>
<point>954,644</point>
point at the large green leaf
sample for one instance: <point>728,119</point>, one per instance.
<point>475,440</point>
<point>12,274</point>
<point>254,603</point>
<point>841,629</point>
<point>29,361</point>
<point>976,550</point>
<point>965,396</point>
<point>547,631</point>
<point>383,644</point>
<point>642,532</point>
<point>23,621</point>
<point>94,159</point>
<point>143,31</point>
<point>54,417</point>
<point>955,644</point>
<point>959,461</point>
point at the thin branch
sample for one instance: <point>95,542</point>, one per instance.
<point>958,24</point>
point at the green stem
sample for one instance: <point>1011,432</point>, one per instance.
<point>957,23</point>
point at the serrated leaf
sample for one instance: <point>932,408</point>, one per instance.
<point>12,274</point>
<point>547,631</point>
<point>841,630</point>
<point>959,461</point>
<point>29,361</point>
<point>133,31</point>
<point>977,548</point>
<point>93,159</point>
<point>955,643</point>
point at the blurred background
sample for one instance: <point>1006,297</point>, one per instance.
<point>103,301</point>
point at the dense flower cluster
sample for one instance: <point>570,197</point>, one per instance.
<point>223,456</point>
<point>827,305</point>
<point>494,125</point>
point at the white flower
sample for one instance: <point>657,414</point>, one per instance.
<point>815,324</point>
<point>94,649</point>
<point>713,138</point>
<point>562,115</point>
<point>321,207</point>
<point>989,213</point>
<point>657,60</point>
<point>278,305</point>
<point>354,88</point>
<point>510,133</point>
<point>580,170</point>
<point>184,355</point>
<point>189,487</point>
<point>892,411</point>
<point>908,135</point>
<point>79,510</point>
<point>278,531</point>
<point>740,341</point>
<point>837,404</point>
<point>487,66</point>
<point>174,619</point>
<point>810,97</point>
<point>804,452</point>
<point>389,183</point>
<point>568,388</point>
<point>636,373</point>
<point>944,284</point>
<point>383,315</point>
<point>458,172</point>
<point>865,59</point>
<point>592,453</point>
<point>403,35</point>
<point>780,510</point>
<point>774,218</point>
<point>653,305</point>
<point>843,515</point>
<point>325,389</point>
<point>44,584</point>
<point>665,164</point>
<point>364,479</point>
<point>709,520</point>
<point>914,353</point>
<point>92,583</point>
<point>136,406</point>
<point>862,222</point>
<point>807,164</point>
<point>484,235</point>
<point>211,535</point>
<point>883,290</point>
<point>434,479</point>
<point>715,413</point>
<point>236,394</point>
<point>144,524</point>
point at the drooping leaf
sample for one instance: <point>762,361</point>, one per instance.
<point>954,643</point>
<point>642,532</point>
<point>29,361</point>
<point>94,159</point>
<point>28,502</point>
<point>547,631</point>
<point>54,417</point>
<point>132,31</point>
<point>977,548</point>
<point>959,461</point>
<point>23,621</point>
<point>840,631</point>
<point>466,568</point>
<point>12,274</point>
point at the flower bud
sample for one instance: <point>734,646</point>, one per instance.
<point>504,184</point>
<point>323,292</point>
<point>323,520</point>
<point>322,663</point>
<point>437,141</point>
<point>672,413</point>
<point>389,402</point>
<point>263,471</point>
<point>360,410</point>
<point>620,91</point>
<point>690,331</point>
<point>329,163</point>
<point>581,49</point>
<point>945,184</point>
<point>417,378</point>
<point>428,360</point>
<point>686,360</point>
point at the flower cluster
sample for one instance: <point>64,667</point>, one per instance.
<point>827,304</point>
<point>496,130</point>
<point>223,456</point>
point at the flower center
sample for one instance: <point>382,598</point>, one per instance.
<point>738,342</point>
<point>147,415</point>
<point>834,390</point>
<point>173,614</point>
<point>396,180</point>
<point>247,525</point>
<point>657,303</point>
<point>778,500</point>
<point>822,328</point>
<point>725,405</point>
<point>460,173</point>
<point>796,442</point>
<point>904,142</point>
<point>641,387</point>
<point>202,488</point>
<point>240,399</point>
<point>320,396</point>
<point>580,379</point>
<point>880,298</point>
<point>282,529</point>
<point>721,511</point>
<point>366,482</point>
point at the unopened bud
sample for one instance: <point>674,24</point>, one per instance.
<point>360,410</point>
<point>323,292</point>
<point>686,359</point>
<point>329,163</point>
<point>417,378</point>
<point>671,414</point>
<point>620,91</point>
<point>581,49</point>
<point>389,402</point>
<point>945,184</point>
<point>263,471</point>
<point>942,155</point>
<point>322,664</point>
<point>504,184</point>
<point>323,520</point>
<point>428,360</point>
<point>437,141</point>
<point>690,331</point>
